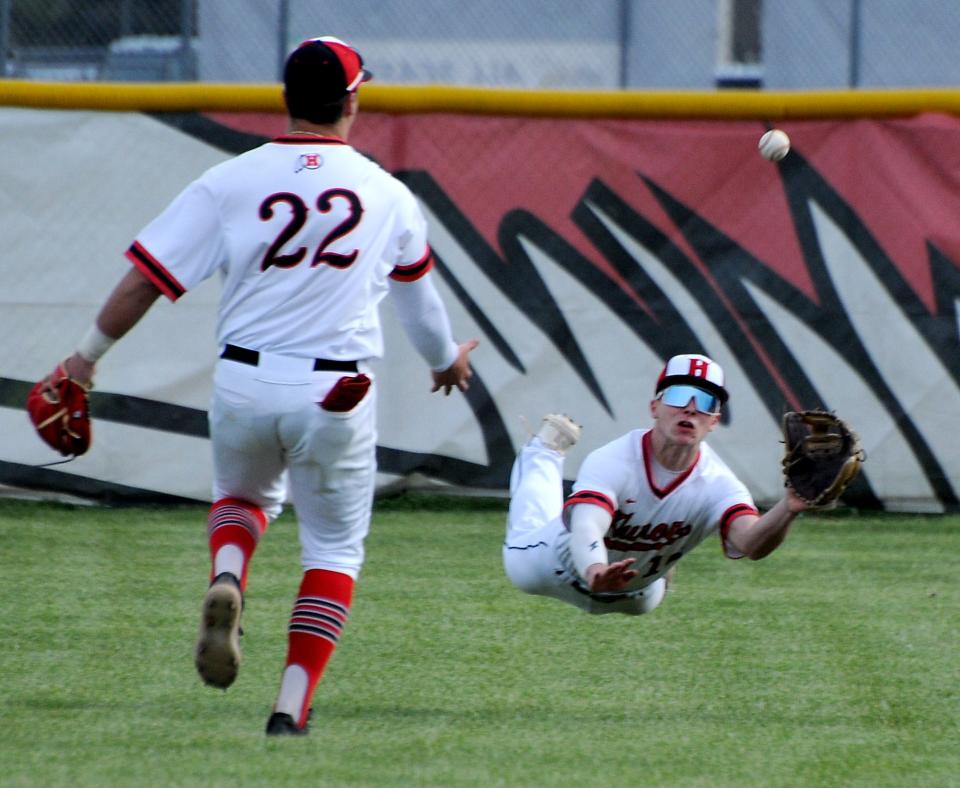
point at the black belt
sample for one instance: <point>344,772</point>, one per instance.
<point>252,357</point>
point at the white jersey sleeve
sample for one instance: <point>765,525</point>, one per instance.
<point>588,526</point>
<point>187,237</point>
<point>409,252</point>
<point>425,321</point>
<point>604,475</point>
<point>419,307</point>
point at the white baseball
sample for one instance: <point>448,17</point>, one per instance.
<point>774,145</point>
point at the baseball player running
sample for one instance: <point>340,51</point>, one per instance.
<point>308,236</point>
<point>639,504</point>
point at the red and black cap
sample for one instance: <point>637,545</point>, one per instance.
<point>326,69</point>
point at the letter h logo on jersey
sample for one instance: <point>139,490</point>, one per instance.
<point>308,161</point>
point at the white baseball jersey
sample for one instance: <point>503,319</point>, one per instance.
<point>305,232</point>
<point>652,525</point>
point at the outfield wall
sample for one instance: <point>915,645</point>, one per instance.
<point>582,243</point>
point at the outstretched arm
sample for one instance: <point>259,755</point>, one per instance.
<point>588,526</point>
<point>424,319</point>
<point>757,537</point>
<point>123,309</point>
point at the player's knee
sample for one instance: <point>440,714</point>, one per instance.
<point>519,572</point>
<point>240,503</point>
<point>653,595</point>
<point>264,512</point>
<point>240,512</point>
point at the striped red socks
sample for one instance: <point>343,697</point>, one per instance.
<point>318,617</point>
<point>234,528</point>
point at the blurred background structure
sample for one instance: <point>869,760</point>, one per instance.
<point>568,239</point>
<point>570,44</point>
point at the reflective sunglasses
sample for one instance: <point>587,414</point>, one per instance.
<point>679,396</point>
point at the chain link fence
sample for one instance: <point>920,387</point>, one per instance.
<point>572,44</point>
<point>76,40</point>
<point>615,226</point>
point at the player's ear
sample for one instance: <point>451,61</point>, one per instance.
<point>353,103</point>
<point>654,403</point>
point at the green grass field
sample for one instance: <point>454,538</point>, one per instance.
<point>836,661</point>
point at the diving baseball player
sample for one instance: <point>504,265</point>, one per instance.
<point>639,504</point>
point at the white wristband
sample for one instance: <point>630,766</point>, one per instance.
<point>94,344</point>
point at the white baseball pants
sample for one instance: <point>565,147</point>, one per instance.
<point>536,536</point>
<point>269,433</point>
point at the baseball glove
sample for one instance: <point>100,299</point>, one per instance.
<point>60,411</point>
<point>822,456</point>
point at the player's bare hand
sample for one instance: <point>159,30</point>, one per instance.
<point>458,374</point>
<point>795,504</point>
<point>75,367</point>
<point>604,578</point>
<point>79,368</point>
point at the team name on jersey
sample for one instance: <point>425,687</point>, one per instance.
<point>643,538</point>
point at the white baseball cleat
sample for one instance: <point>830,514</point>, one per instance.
<point>558,432</point>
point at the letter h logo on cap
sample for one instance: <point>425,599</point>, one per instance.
<point>694,370</point>
<point>699,367</point>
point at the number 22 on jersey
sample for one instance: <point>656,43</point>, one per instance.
<point>298,218</point>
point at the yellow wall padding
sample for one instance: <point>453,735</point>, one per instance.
<point>731,104</point>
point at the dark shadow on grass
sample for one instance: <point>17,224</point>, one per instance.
<point>41,702</point>
<point>428,502</point>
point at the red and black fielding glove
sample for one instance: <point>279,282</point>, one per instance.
<point>59,408</point>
